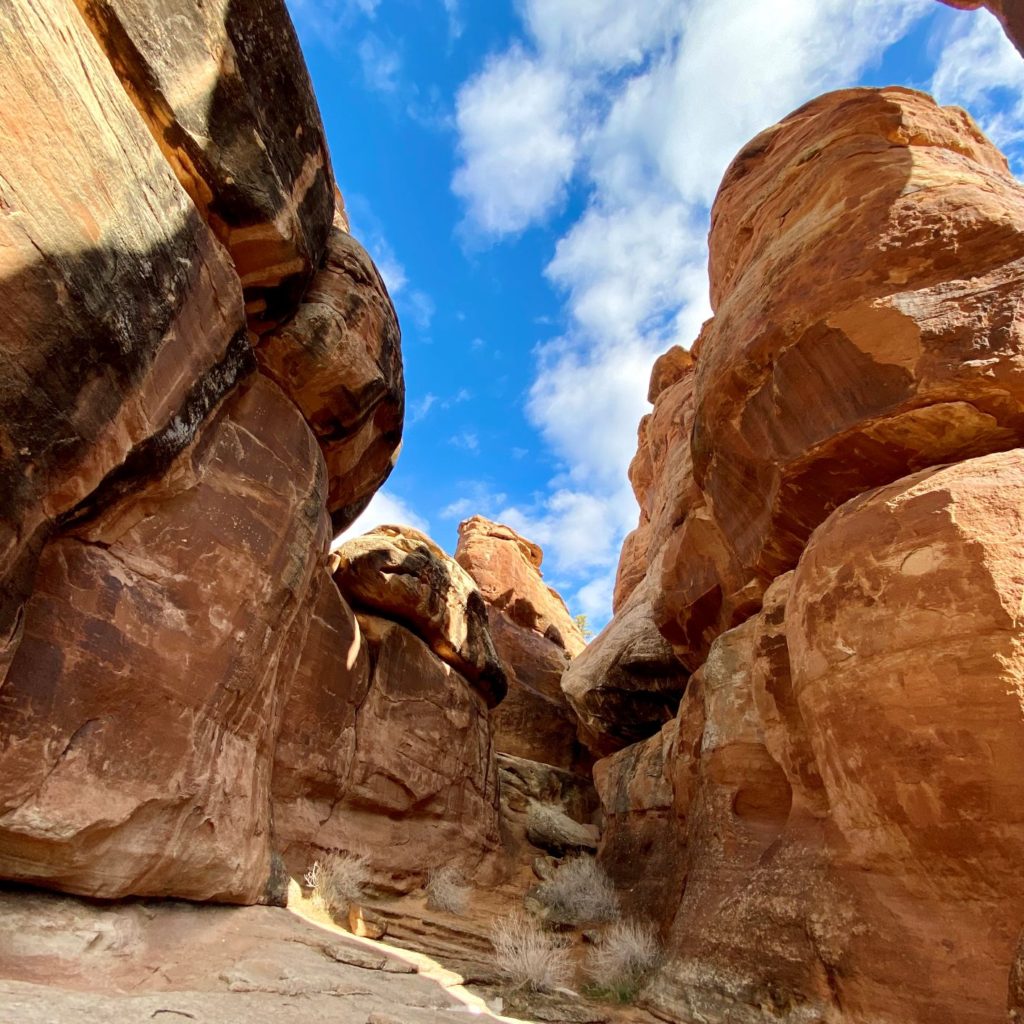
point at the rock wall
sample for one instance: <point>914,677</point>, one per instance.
<point>393,757</point>
<point>200,371</point>
<point>534,636</point>
<point>830,827</point>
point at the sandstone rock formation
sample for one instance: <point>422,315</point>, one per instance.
<point>385,746</point>
<point>534,636</point>
<point>829,828</point>
<point>401,572</point>
<point>164,193</point>
<point>837,359</point>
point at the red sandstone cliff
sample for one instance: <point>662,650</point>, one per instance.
<point>831,820</point>
<point>200,371</point>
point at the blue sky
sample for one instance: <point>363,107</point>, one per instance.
<point>533,178</point>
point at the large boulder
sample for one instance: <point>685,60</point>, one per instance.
<point>832,819</point>
<point>402,574</point>
<point>628,682</point>
<point>865,276</point>
<point>506,568</point>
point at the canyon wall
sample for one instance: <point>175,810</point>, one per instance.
<point>202,371</point>
<point>830,539</point>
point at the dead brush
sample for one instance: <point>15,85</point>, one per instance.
<point>617,965</point>
<point>447,891</point>
<point>338,880</point>
<point>579,892</point>
<point>529,957</point>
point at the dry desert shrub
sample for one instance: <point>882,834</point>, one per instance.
<point>447,891</point>
<point>579,892</point>
<point>617,965</point>
<point>338,880</point>
<point>528,956</point>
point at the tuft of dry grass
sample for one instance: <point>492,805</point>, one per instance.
<point>447,891</point>
<point>338,880</point>
<point>528,956</point>
<point>627,952</point>
<point>579,892</point>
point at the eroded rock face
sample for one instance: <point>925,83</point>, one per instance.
<point>93,392</point>
<point>506,568</point>
<point>832,817</point>
<point>141,706</point>
<point>222,88</point>
<point>403,574</point>
<point>534,636</point>
<point>849,344</point>
<point>164,530</point>
<point>419,788</point>
<point>628,681</point>
<point>340,360</point>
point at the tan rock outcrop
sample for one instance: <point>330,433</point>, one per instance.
<point>140,709</point>
<point>850,345</point>
<point>401,573</point>
<point>223,89</point>
<point>339,359</point>
<point>95,393</point>
<point>506,568</point>
<point>165,523</point>
<point>829,827</point>
<point>534,636</point>
<point>415,786</point>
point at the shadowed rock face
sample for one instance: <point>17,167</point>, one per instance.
<point>534,636</point>
<point>164,599</point>
<point>222,88</point>
<point>340,360</point>
<point>829,829</point>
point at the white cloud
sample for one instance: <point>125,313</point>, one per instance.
<point>455,25</point>
<point>604,33</point>
<point>647,104</point>
<point>420,307</point>
<point>979,68</point>
<point>467,440</point>
<point>517,150</point>
<point>384,509</point>
<point>381,64</point>
<point>419,409</point>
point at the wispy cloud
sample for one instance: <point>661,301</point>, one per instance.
<point>381,64</point>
